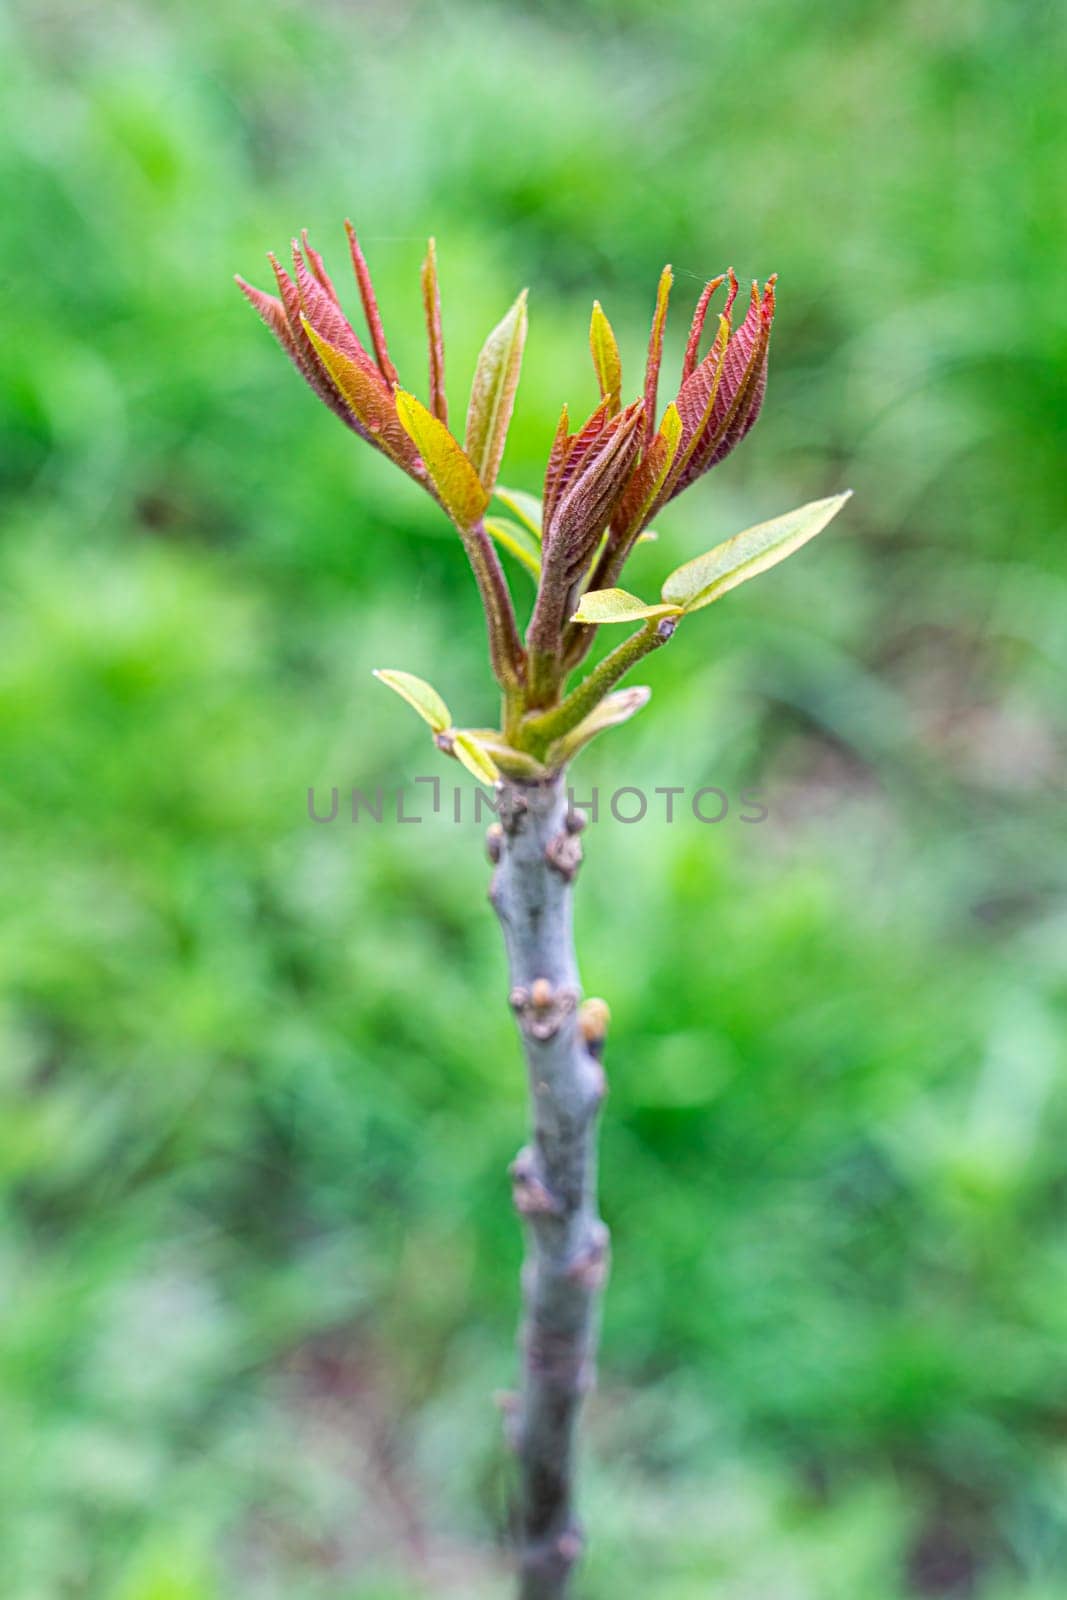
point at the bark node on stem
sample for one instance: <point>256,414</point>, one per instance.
<point>554,1176</point>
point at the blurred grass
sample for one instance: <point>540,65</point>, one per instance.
<point>259,1084</point>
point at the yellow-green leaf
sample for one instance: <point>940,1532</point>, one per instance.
<point>451,473</point>
<point>496,378</point>
<point>606,359</point>
<point>516,539</point>
<point>527,507</point>
<point>431,304</point>
<point>426,701</point>
<point>647,482</point>
<point>366,394</point>
<point>655,350</point>
<point>703,580</point>
<point>475,757</point>
<point>613,709</point>
<point>670,431</point>
<point>616,605</point>
<point>513,763</point>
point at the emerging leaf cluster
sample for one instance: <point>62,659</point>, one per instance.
<point>605,481</point>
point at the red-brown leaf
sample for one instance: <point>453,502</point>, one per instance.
<point>370,307</point>
<point>591,487</point>
<point>318,266</point>
<point>305,356</point>
<point>272,311</point>
<point>697,326</point>
<point>557,457</point>
<point>579,446</point>
<point>326,316</point>
<point>738,396</point>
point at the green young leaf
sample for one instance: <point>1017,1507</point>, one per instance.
<point>703,580</point>
<point>496,378</point>
<point>516,539</point>
<point>606,359</point>
<point>514,763</point>
<point>615,605</point>
<point>426,701</point>
<point>475,757</point>
<point>451,473</point>
<point>613,709</point>
<point>527,507</point>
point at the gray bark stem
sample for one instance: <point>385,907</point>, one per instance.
<point>537,851</point>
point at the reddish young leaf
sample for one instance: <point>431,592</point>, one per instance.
<point>760,317</point>
<point>731,294</point>
<point>584,493</point>
<point>594,477</point>
<point>326,316</point>
<point>655,352</point>
<point>272,311</point>
<point>644,490</point>
<point>697,398</point>
<point>290,297</point>
<point>306,359</point>
<point>738,395</point>
<point>697,326</point>
<point>431,300</point>
<point>318,266</point>
<point>557,457</point>
<point>578,446</point>
<point>370,307</point>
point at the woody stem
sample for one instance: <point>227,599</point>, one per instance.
<point>554,1177</point>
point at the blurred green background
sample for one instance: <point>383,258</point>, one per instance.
<point>260,1083</point>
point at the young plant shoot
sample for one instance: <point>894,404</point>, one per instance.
<point>605,482</point>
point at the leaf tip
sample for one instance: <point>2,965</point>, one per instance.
<point>407,406</point>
